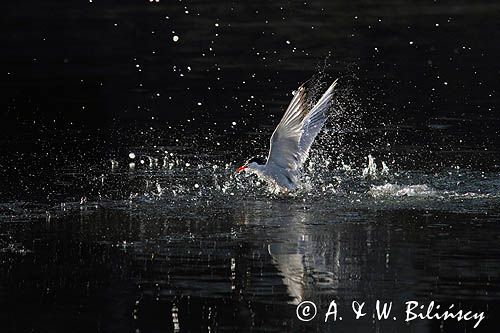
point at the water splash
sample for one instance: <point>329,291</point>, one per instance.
<point>372,172</point>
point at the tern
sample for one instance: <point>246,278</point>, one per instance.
<point>291,141</point>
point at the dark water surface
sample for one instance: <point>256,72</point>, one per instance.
<point>119,207</point>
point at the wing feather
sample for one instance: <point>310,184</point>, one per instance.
<point>295,134</point>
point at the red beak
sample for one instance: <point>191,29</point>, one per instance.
<point>241,168</point>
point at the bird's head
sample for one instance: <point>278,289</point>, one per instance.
<point>250,164</point>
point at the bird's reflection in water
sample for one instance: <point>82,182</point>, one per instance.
<point>236,267</point>
<point>296,253</point>
<point>340,256</point>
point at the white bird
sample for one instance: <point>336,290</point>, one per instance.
<point>291,141</point>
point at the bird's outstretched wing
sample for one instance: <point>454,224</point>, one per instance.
<point>295,134</point>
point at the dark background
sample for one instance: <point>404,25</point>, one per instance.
<point>81,80</point>
<point>75,62</point>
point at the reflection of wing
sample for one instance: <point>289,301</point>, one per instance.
<point>295,134</point>
<point>291,267</point>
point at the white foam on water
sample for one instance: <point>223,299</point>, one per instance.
<point>395,190</point>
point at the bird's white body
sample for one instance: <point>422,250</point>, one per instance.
<point>280,178</point>
<point>292,139</point>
